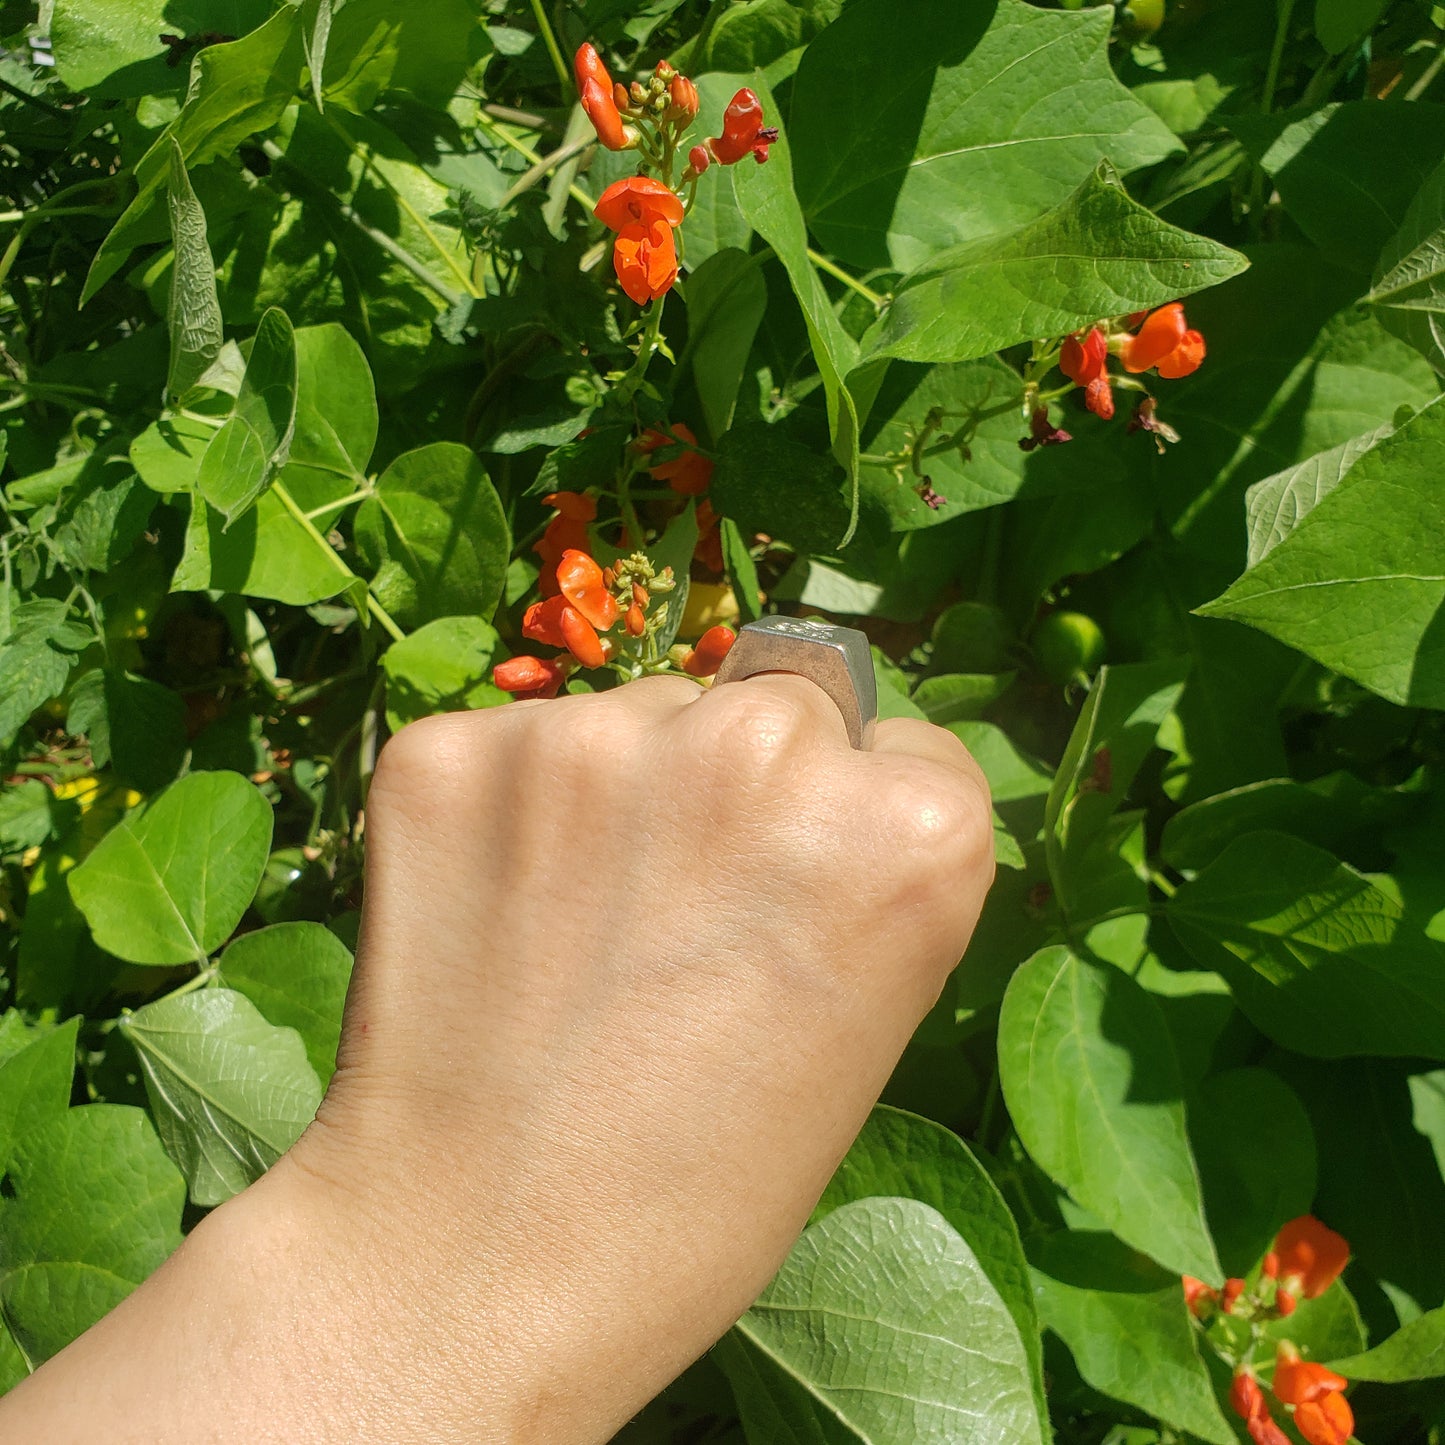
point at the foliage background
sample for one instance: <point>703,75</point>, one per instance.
<point>1207,991</point>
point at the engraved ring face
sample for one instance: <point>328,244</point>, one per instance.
<point>837,659</point>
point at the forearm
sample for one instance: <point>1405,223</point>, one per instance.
<point>284,1318</point>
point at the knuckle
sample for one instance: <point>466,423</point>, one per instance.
<point>753,728</point>
<point>424,755</point>
<point>943,820</point>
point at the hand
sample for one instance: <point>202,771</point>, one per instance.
<point>633,968</point>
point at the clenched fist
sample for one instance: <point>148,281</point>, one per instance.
<point>633,968</point>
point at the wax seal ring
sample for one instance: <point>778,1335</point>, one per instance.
<point>837,659</point>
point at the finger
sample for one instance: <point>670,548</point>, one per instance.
<point>780,696</point>
<point>912,737</point>
<point>653,695</point>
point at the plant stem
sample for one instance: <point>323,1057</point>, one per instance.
<point>548,163</point>
<point>564,75</point>
<point>833,269</point>
<point>1427,76</point>
<point>1276,55</point>
<point>497,133</point>
<point>394,249</point>
<point>374,607</point>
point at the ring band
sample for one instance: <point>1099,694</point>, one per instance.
<point>837,659</point>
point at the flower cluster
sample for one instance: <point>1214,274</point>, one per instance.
<point>592,613</point>
<point>1160,341</point>
<point>1306,1260</point>
<point>645,210</point>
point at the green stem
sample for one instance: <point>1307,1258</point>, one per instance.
<point>564,75</point>
<point>363,154</point>
<point>1276,56</point>
<point>342,504</point>
<point>1427,76</point>
<point>545,166</point>
<point>833,269</point>
<point>374,607</point>
<point>497,133</point>
<point>394,249</point>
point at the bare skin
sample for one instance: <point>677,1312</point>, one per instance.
<point>633,969</point>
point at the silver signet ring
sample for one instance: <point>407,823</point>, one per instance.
<point>837,659</point>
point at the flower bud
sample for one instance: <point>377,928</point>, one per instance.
<point>620,97</point>
<point>636,623</point>
<point>698,160</point>
<point>711,648</point>
<point>683,94</point>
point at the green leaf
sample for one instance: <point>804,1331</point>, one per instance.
<point>436,536</point>
<point>882,1327</point>
<point>1347,173</point>
<point>1277,505</point>
<point>1320,959</point>
<point>102,517</point>
<point>1295,380</point>
<point>95,1206</point>
<point>1416,1351</point>
<point>35,660</point>
<point>1096,254</point>
<point>194,312</point>
<point>1342,23</point>
<point>1335,812</point>
<point>1408,290</point>
<point>445,666</point>
<point>248,452</point>
<point>111,48</point>
<point>768,481</point>
<point>235,90</point>
<point>1380,1183</point>
<point>903,1155</point>
<point>1092,1083</point>
<point>1256,1155</point>
<point>742,572</point>
<point>765,196</point>
<point>726,298</point>
<point>375,46</point>
<point>29,815</point>
<point>35,1085</point>
<point>230,1092</point>
<point>167,454</point>
<point>336,416</point>
<point>1359,584</point>
<point>1095,1292</point>
<point>756,33</point>
<point>265,553</point>
<point>169,883</point>
<point>920,129</point>
<point>297,975</point>
<point>132,722</point>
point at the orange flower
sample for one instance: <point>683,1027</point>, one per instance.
<point>1302,1382</point>
<point>579,580</point>
<point>1229,1296</point>
<point>688,474</point>
<point>705,659</point>
<point>567,530</point>
<point>1082,361</point>
<point>599,100</point>
<point>1311,1256</point>
<point>1326,1421</point>
<point>1263,1430</point>
<point>743,131</point>
<point>1246,1399</point>
<point>1164,341</point>
<point>637,198</point>
<point>643,212</point>
<point>526,677</point>
<point>709,538</point>
<point>1322,1414</point>
<point>557,623</point>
